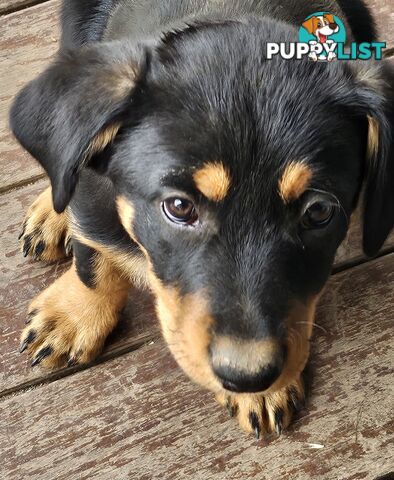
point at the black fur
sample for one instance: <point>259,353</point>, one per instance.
<point>84,263</point>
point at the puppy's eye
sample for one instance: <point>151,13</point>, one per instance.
<point>318,215</point>
<point>180,210</point>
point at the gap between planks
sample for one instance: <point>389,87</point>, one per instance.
<point>22,183</point>
<point>23,5</point>
<point>51,377</point>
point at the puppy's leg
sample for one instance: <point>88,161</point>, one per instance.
<point>70,320</point>
<point>266,413</point>
<point>45,233</point>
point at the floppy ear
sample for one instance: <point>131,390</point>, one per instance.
<point>310,25</point>
<point>377,95</point>
<point>329,17</point>
<point>74,109</point>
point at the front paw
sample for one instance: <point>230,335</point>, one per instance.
<point>260,413</point>
<point>66,325</point>
<point>45,233</point>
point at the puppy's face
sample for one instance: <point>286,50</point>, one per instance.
<point>237,183</point>
<point>321,26</point>
<point>235,175</point>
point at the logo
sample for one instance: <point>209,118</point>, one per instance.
<point>322,37</point>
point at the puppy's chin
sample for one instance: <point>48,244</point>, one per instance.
<point>187,324</point>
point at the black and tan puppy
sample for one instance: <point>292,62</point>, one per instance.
<point>182,159</point>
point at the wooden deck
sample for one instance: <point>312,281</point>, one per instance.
<point>134,415</point>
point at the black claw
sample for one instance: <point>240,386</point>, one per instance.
<point>27,246</point>
<point>30,338</point>
<point>72,362</point>
<point>232,409</point>
<point>279,421</point>
<point>254,422</point>
<point>39,249</point>
<point>23,231</point>
<point>43,353</point>
<point>295,403</point>
<point>30,316</point>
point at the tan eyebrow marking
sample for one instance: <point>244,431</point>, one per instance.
<point>295,180</point>
<point>213,181</point>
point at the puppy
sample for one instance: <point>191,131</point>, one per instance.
<point>321,27</point>
<point>182,160</point>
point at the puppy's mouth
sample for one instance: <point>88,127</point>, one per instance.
<point>322,38</point>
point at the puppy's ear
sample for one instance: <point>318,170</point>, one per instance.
<point>74,110</point>
<point>329,17</point>
<point>310,25</point>
<point>376,93</point>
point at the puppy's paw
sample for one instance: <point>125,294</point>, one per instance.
<point>45,233</point>
<point>264,414</point>
<point>67,325</point>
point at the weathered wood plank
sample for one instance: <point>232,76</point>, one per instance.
<point>27,41</point>
<point>382,11</point>
<point>8,6</point>
<point>22,279</point>
<point>139,417</point>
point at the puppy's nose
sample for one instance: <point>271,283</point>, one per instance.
<point>333,26</point>
<point>247,366</point>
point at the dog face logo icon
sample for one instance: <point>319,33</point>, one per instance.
<point>322,29</point>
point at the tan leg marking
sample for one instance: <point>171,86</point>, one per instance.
<point>46,234</point>
<point>69,321</point>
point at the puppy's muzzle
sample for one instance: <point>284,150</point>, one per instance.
<point>247,366</point>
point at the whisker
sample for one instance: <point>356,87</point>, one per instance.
<point>314,325</point>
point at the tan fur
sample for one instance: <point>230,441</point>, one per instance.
<point>126,213</point>
<point>102,139</point>
<point>213,181</point>
<point>248,356</point>
<point>75,320</point>
<point>299,330</point>
<point>294,181</point>
<point>373,138</point>
<point>263,406</point>
<point>131,266</point>
<point>186,325</point>
<point>42,223</point>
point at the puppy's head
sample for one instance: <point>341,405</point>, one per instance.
<point>235,175</point>
<point>321,26</point>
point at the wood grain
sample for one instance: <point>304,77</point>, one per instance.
<point>383,13</point>
<point>138,417</point>
<point>9,6</point>
<point>28,39</point>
